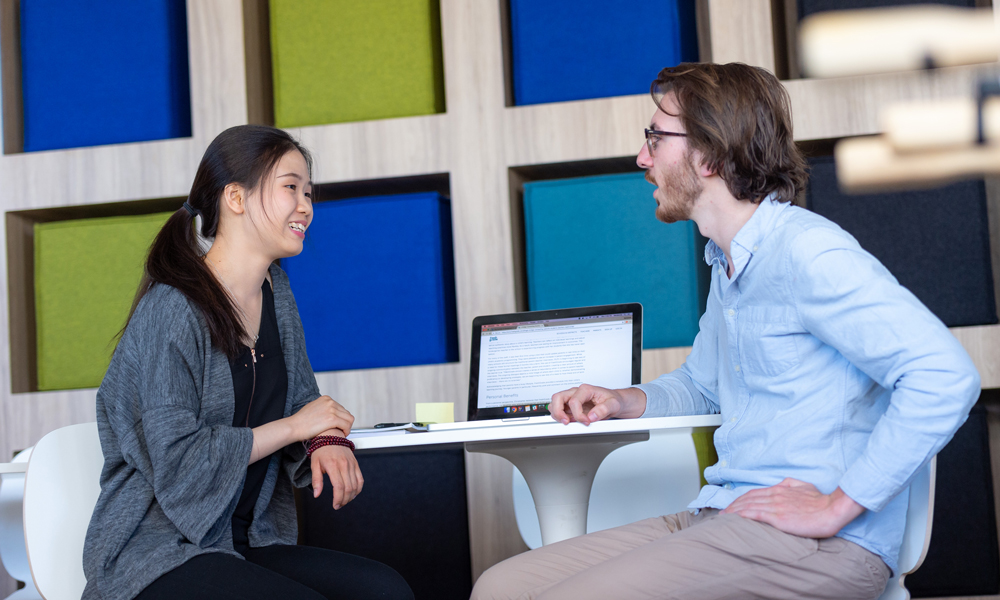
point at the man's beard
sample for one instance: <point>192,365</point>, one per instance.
<point>680,189</point>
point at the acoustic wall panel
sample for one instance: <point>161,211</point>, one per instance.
<point>808,7</point>
<point>104,72</point>
<point>86,275</point>
<point>936,242</point>
<point>963,558</point>
<point>596,240</point>
<point>412,516</point>
<point>342,60</point>
<point>375,284</point>
<point>574,50</point>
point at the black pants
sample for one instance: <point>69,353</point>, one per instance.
<point>285,572</point>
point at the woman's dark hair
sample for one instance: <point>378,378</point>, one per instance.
<point>245,154</point>
<point>739,118</point>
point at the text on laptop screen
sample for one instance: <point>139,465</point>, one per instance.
<point>525,363</point>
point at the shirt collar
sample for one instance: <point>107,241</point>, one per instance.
<point>749,237</point>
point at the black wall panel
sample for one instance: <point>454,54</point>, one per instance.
<point>411,515</point>
<point>808,7</point>
<point>962,559</point>
<point>936,242</point>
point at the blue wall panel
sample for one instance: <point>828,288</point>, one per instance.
<point>375,283</point>
<point>596,240</point>
<point>103,72</point>
<point>579,49</point>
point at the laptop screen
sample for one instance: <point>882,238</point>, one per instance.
<point>520,360</point>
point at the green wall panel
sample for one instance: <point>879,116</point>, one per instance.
<point>342,60</point>
<point>86,274</point>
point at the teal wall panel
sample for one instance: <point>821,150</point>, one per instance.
<point>596,240</point>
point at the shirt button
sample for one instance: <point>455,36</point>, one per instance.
<point>723,463</point>
<point>732,420</point>
<point>755,247</point>
<point>737,368</point>
<point>728,486</point>
<point>731,312</point>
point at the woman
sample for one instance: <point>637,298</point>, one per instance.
<point>209,401</point>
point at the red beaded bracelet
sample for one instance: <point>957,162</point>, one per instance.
<point>328,440</point>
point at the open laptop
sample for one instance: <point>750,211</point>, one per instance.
<point>519,360</point>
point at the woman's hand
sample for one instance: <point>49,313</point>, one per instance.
<point>342,468</point>
<point>319,415</point>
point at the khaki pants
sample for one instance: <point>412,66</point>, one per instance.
<point>684,556</point>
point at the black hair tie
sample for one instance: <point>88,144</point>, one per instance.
<point>191,210</point>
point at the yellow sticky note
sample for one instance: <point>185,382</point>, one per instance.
<point>435,412</point>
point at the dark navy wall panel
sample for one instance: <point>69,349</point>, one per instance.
<point>963,558</point>
<point>579,49</point>
<point>375,283</point>
<point>808,7</point>
<point>412,516</point>
<point>104,72</point>
<point>936,242</point>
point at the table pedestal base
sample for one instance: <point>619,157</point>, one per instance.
<point>560,473</point>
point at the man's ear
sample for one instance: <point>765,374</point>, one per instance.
<point>234,198</point>
<point>704,169</point>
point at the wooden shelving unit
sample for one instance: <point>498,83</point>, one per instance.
<point>479,146</point>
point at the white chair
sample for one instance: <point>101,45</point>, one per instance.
<point>61,487</point>
<point>917,536</point>
<point>12,553</point>
<point>660,477</point>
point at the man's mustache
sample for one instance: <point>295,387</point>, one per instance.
<point>649,177</point>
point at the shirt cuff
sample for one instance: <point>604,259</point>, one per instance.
<point>867,486</point>
<point>657,400</point>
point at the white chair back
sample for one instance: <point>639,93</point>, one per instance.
<point>917,536</point>
<point>61,488</point>
<point>13,556</point>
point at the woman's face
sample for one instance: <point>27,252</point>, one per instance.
<point>286,203</point>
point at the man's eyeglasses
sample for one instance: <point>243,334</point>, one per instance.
<point>653,136</point>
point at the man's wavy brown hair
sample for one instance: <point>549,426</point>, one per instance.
<point>739,118</point>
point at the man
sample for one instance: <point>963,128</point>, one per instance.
<point>835,384</point>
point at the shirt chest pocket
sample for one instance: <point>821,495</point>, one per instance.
<point>768,340</point>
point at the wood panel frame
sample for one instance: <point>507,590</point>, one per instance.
<point>10,76</point>
<point>20,230</point>
<point>487,149</point>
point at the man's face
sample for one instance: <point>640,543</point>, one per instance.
<point>671,167</point>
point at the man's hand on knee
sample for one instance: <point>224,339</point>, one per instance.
<point>798,508</point>
<point>589,403</point>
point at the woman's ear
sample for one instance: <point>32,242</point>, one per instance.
<point>234,198</point>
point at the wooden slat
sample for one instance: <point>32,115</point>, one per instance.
<point>475,97</point>
<point>20,234</point>
<point>848,106</point>
<point>742,31</point>
<point>10,67</point>
<point>481,147</point>
<point>257,54</point>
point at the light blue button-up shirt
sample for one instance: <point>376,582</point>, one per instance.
<point>824,369</point>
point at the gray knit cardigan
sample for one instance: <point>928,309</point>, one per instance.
<point>174,465</point>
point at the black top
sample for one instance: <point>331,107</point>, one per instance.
<point>260,381</point>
